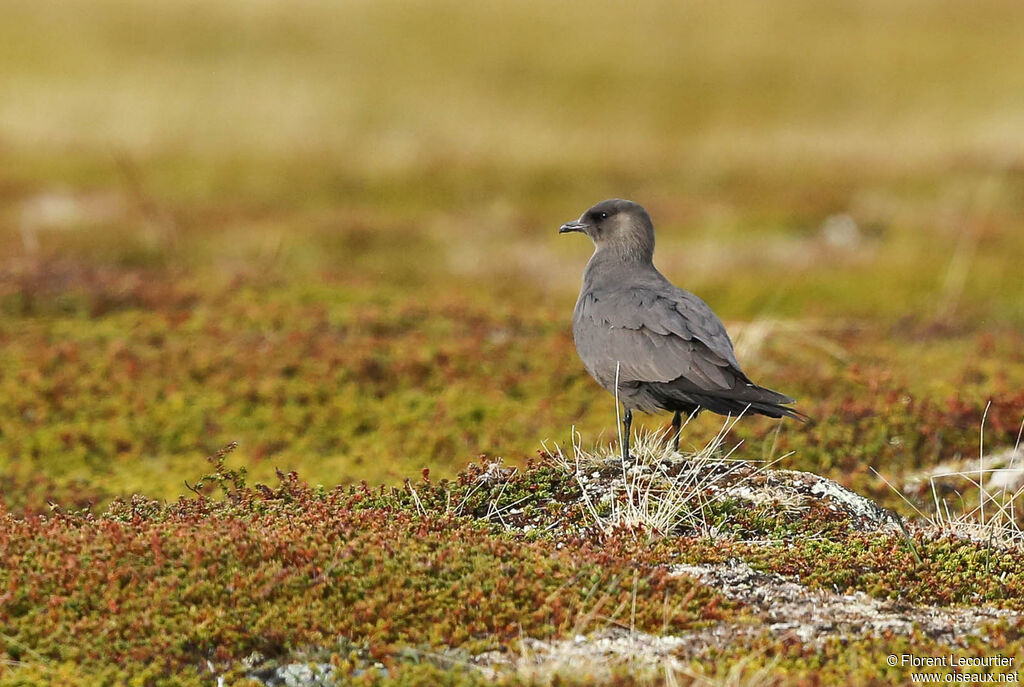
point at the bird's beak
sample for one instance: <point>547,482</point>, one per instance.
<point>575,225</point>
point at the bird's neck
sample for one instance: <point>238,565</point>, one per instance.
<point>636,247</point>
<point>610,265</point>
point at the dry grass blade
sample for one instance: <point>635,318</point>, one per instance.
<point>657,489</point>
<point>978,503</point>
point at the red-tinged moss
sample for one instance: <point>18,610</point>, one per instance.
<point>269,569</point>
<point>126,390</point>
<point>38,494</point>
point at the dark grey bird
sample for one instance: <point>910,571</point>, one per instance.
<point>663,346</point>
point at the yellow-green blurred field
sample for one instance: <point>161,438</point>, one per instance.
<point>328,230</point>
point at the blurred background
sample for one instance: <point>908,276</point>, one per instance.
<point>327,230</point>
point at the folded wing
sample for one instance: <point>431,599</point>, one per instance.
<point>671,339</point>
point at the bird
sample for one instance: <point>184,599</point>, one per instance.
<point>656,347</point>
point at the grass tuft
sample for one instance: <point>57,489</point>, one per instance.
<point>656,490</point>
<point>980,502</point>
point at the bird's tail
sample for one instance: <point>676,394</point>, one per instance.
<point>745,398</point>
<point>768,402</point>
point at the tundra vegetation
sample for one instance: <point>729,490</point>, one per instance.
<point>327,233</point>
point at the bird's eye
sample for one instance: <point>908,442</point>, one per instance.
<point>602,215</point>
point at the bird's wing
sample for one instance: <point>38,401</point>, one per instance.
<point>657,336</point>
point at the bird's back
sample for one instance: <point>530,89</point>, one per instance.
<point>658,346</point>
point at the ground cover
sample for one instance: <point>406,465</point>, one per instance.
<point>327,233</point>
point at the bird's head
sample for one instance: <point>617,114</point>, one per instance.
<point>618,225</point>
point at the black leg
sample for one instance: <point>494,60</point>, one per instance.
<point>677,424</point>
<point>627,423</point>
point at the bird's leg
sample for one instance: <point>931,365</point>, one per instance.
<point>677,425</point>
<point>627,422</point>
